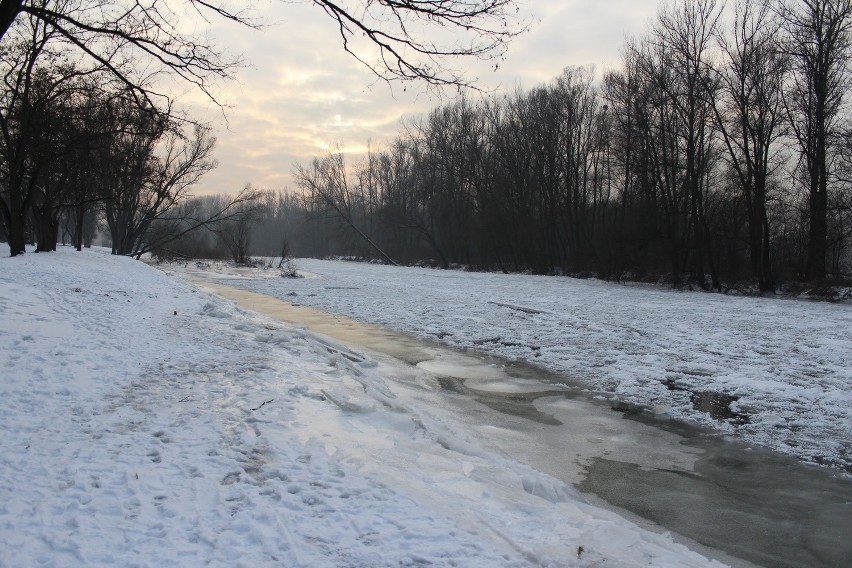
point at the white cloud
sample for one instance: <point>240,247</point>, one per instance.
<point>302,93</point>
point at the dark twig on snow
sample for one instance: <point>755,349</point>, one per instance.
<point>263,404</point>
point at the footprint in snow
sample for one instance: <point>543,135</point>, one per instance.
<point>231,478</point>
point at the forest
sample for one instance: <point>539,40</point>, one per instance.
<point>717,153</point>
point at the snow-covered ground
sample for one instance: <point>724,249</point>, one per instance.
<point>784,365</point>
<point>146,423</point>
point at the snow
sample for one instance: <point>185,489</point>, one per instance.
<point>147,423</point>
<point>786,364</point>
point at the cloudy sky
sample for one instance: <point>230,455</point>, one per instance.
<point>300,93</point>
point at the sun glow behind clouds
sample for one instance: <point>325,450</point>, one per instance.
<point>297,77</point>
<point>302,95</point>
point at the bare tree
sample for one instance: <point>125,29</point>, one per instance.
<point>236,231</point>
<point>750,116</point>
<point>118,35</point>
<point>625,92</point>
<point>403,35</point>
<point>150,171</point>
<point>325,183</point>
<point>819,45</point>
<point>36,83</point>
<point>679,44</point>
<point>408,39</point>
<point>402,195</point>
<point>85,186</point>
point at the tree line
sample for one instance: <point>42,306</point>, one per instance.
<point>76,152</point>
<point>88,135</point>
<point>717,152</point>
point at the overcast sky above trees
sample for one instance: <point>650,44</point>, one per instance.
<point>301,93</point>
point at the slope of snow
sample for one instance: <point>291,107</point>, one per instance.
<point>786,365</point>
<point>148,424</point>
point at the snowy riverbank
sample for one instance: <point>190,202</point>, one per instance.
<point>147,424</point>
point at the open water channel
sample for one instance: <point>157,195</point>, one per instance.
<point>740,504</point>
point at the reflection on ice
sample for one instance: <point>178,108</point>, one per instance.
<point>485,376</point>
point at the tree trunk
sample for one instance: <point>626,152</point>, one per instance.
<point>15,224</point>
<point>47,227</point>
<point>818,235</point>
<point>17,236</point>
<point>79,219</point>
<point>767,283</point>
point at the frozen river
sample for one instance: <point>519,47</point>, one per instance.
<point>725,494</point>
